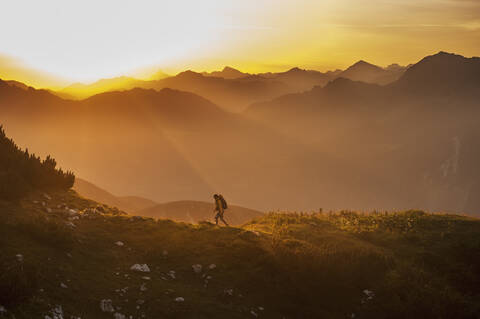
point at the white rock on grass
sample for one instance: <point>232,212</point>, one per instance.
<point>55,313</point>
<point>179,299</point>
<point>70,224</point>
<point>197,268</point>
<point>63,285</point>
<point>146,278</point>
<point>254,313</point>
<point>19,257</point>
<point>106,305</point>
<point>212,266</point>
<point>171,273</point>
<point>369,294</point>
<point>3,310</point>
<point>119,243</point>
<point>140,267</point>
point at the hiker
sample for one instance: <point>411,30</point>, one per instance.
<point>220,206</point>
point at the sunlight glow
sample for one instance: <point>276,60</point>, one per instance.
<point>88,40</point>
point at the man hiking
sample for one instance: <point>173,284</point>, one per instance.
<point>220,206</point>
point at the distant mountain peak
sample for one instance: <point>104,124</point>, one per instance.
<point>363,64</point>
<point>295,69</point>
<point>230,69</point>
<point>188,74</point>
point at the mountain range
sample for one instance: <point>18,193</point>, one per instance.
<point>234,90</point>
<point>409,143</point>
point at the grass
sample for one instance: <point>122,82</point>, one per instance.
<point>291,265</point>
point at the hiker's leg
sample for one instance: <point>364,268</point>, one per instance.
<point>216,219</point>
<point>223,220</point>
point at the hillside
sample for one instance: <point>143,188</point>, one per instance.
<point>76,262</point>
<point>196,211</point>
<point>129,204</point>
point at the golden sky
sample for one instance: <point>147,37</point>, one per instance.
<point>87,40</point>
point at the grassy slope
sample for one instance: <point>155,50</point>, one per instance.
<point>197,211</point>
<point>293,266</point>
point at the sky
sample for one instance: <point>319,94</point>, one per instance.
<point>51,43</point>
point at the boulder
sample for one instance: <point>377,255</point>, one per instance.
<point>119,243</point>
<point>197,268</point>
<point>179,299</point>
<point>140,267</point>
<point>106,305</point>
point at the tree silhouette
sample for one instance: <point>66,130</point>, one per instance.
<point>22,172</point>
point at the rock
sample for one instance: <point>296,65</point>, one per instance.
<point>171,273</point>
<point>3,310</point>
<point>47,197</point>
<point>261,308</point>
<point>63,285</point>
<point>140,267</point>
<point>254,313</point>
<point>212,266</point>
<point>143,287</point>
<point>106,305</point>
<point>72,212</point>
<point>146,278</point>
<point>197,268</point>
<point>19,257</point>
<point>119,243</point>
<point>70,224</point>
<point>100,209</point>
<point>228,292</point>
<point>117,315</point>
<point>369,294</point>
<point>55,313</point>
<point>179,299</point>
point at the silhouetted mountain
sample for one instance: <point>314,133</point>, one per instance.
<point>226,73</point>
<point>129,204</point>
<point>231,94</point>
<point>422,142</point>
<point>300,80</point>
<point>366,72</point>
<point>80,90</point>
<point>442,74</point>
<point>197,211</point>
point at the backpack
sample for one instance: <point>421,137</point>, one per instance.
<point>224,202</point>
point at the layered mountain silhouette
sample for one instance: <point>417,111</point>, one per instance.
<point>129,204</point>
<point>366,72</point>
<point>234,90</point>
<point>348,144</point>
<point>226,73</point>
